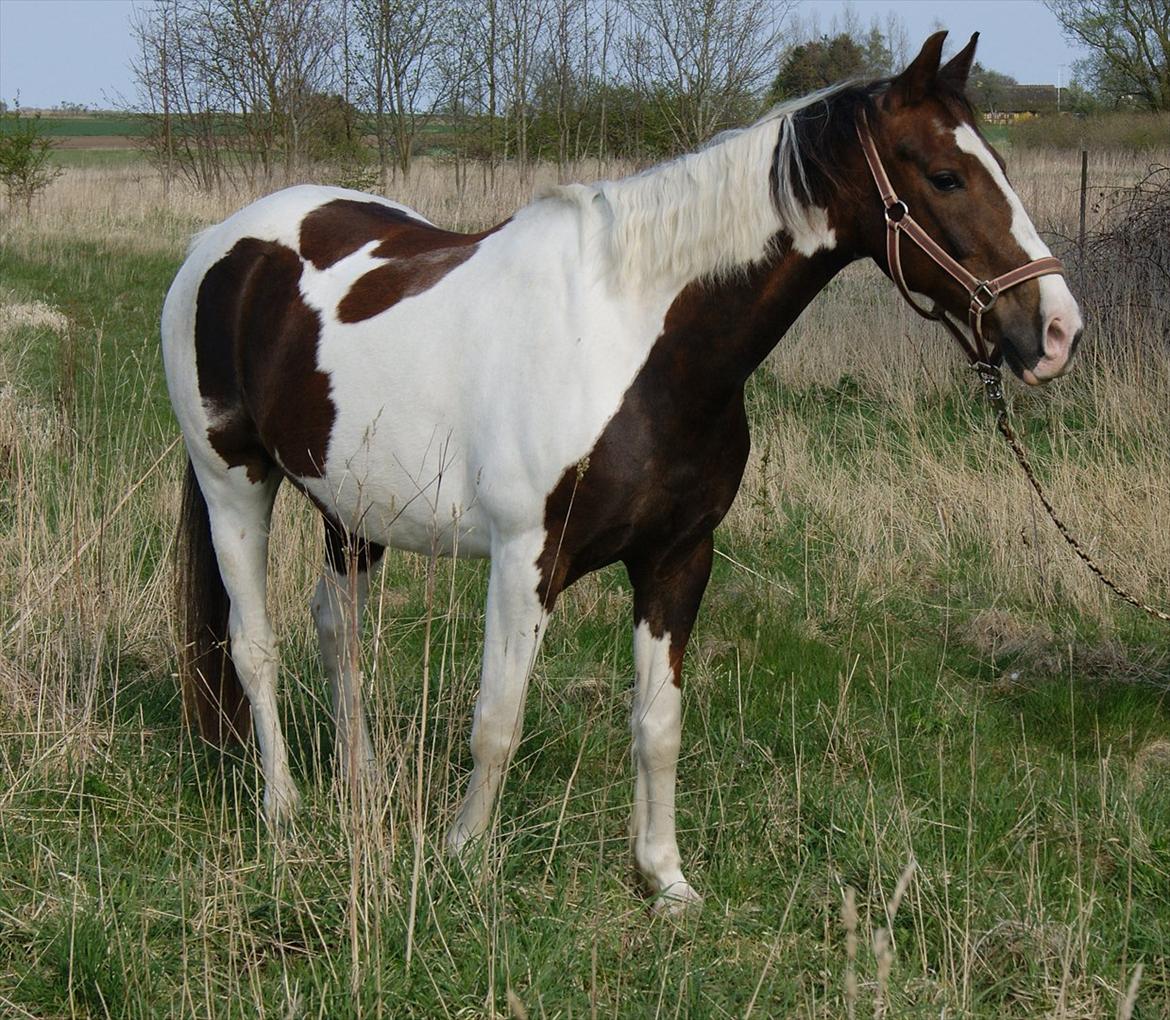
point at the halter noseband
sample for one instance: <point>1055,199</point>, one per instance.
<point>982,293</point>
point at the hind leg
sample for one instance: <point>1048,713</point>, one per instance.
<point>337,608</point>
<point>240,511</point>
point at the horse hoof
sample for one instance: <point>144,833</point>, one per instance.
<point>461,844</point>
<point>281,804</point>
<point>678,900</point>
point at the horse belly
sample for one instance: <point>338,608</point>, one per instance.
<point>400,492</point>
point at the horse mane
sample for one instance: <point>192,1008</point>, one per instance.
<point>826,127</point>
<point>716,211</point>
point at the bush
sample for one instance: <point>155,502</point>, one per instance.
<point>1132,131</point>
<point>1124,279</point>
<point>26,167</point>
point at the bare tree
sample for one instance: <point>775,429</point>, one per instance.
<point>566,74</point>
<point>523,25</point>
<point>406,42</point>
<point>606,15</point>
<point>235,84</point>
<point>1130,45</point>
<point>175,95</point>
<point>465,67</point>
<point>704,61</point>
<point>272,61</point>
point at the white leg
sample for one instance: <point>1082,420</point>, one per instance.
<point>656,725</point>
<point>239,511</point>
<point>514,626</point>
<point>337,610</point>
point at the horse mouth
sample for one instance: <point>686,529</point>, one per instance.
<point>1040,372</point>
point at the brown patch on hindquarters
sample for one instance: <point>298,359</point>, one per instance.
<point>384,287</point>
<point>256,358</point>
<point>419,255</point>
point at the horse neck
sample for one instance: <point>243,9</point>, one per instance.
<point>723,329</point>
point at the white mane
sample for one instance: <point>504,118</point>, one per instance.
<point>712,211</point>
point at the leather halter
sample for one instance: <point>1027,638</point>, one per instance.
<point>982,293</point>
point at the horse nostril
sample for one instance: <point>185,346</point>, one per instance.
<point>1056,337</point>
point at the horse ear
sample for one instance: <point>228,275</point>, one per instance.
<point>956,70</point>
<point>912,85</point>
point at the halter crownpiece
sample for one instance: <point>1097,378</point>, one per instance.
<point>982,293</point>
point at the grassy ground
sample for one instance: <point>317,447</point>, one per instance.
<point>101,159</point>
<point>93,124</point>
<point>926,764</point>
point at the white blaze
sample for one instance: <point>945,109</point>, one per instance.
<point>1055,297</point>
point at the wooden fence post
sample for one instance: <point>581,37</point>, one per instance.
<point>1081,229</point>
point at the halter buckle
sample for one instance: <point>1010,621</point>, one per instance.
<point>983,297</point>
<point>992,381</point>
<point>901,208</point>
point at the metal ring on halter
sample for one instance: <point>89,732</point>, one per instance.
<point>992,381</point>
<point>903,211</point>
<point>980,302</point>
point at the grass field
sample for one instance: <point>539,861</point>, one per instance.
<point>113,125</point>
<point>926,764</point>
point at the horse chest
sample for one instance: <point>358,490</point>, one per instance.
<point>655,478</point>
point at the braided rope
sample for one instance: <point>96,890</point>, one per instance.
<point>993,386</point>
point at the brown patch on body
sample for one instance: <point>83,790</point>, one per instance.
<point>339,228</point>
<point>667,467</point>
<point>419,255</point>
<point>256,359</point>
<point>399,278</point>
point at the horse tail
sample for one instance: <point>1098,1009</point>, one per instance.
<point>213,697</point>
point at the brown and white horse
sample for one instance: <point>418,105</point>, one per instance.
<point>561,392</point>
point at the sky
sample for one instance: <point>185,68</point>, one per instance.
<point>78,51</point>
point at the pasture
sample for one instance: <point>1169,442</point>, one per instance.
<point>926,760</point>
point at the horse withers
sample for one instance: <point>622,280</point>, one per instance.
<point>559,393</point>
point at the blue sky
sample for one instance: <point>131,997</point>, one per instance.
<point>78,50</point>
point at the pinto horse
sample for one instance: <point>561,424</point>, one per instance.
<point>561,392</point>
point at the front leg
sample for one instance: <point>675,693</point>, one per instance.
<point>667,593</point>
<point>514,627</point>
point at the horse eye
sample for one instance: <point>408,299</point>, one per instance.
<point>945,181</point>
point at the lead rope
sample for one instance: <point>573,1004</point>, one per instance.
<point>992,381</point>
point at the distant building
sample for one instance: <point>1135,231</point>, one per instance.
<point>1009,104</point>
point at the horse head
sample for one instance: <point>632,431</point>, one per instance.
<point>944,183</point>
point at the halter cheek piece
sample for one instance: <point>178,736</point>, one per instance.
<point>983,293</point>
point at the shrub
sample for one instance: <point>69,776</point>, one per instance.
<point>1132,131</point>
<point>1123,272</point>
<point>26,167</point>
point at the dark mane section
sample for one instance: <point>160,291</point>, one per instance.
<point>826,129</point>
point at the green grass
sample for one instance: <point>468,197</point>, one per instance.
<point>123,126</point>
<point>830,737</point>
<point>997,134</point>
